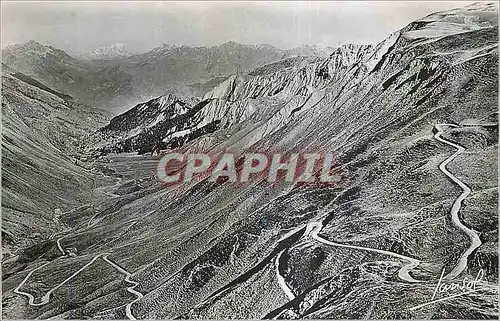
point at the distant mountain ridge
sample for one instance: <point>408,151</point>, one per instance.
<point>117,50</point>
<point>112,78</point>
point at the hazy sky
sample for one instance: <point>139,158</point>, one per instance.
<point>77,27</point>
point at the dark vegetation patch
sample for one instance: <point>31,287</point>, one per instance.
<point>41,86</point>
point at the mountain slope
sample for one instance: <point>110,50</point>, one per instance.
<point>217,250</point>
<point>41,132</point>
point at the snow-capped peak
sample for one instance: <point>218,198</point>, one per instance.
<point>117,50</point>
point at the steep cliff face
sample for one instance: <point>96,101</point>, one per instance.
<point>275,91</point>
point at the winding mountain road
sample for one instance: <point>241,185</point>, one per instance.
<point>130,289</point>
<point>31,299</point>
<point>59,246</point>
<point>46,297</point>
<point>314,228</point>
<point>404,273</point>
<point>281,280</point>
<point>457,205</point>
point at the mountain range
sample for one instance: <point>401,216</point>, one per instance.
<point>413,124</point>
<point>113,79</point>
